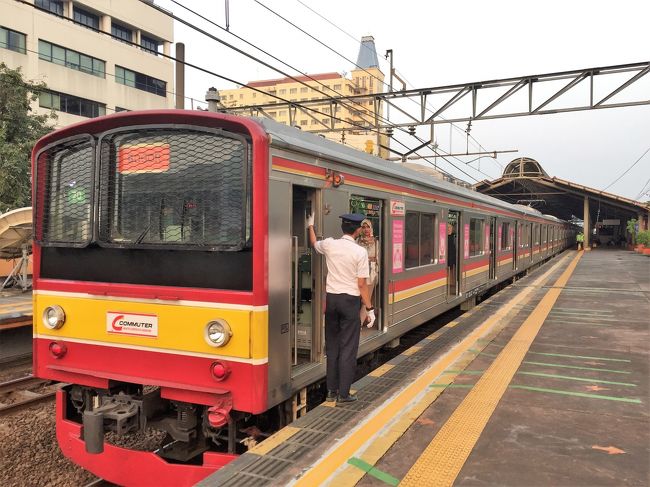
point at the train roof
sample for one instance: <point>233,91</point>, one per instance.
<point>292,138</point>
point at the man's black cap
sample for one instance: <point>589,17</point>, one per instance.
<point>355,218</point>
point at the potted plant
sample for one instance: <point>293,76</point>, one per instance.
<point>631,229</point>
<point>644,239</point>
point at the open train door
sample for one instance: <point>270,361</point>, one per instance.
<point>295,308</point>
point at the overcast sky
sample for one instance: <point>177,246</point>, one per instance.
<point>437,43</point>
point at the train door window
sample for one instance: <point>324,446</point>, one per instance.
<point>420,239</point>
<point>505,236</point>
<point>453,269</point>
<point>305,319</point>
<point>476,237</point>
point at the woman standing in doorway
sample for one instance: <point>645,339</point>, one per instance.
<point>369,242</point>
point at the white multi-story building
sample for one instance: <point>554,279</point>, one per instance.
<point>82,51</point>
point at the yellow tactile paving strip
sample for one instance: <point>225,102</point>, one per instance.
<point>274,440</point>
<point>443,459</point>
<point>385,415</point>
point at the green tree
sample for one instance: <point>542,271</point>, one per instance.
<point>19,131</point>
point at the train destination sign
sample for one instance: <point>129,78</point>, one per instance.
<point>143,158</point>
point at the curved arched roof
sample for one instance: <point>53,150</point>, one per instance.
<point>524,167</point>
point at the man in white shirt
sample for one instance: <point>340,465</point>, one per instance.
<point>347,270</point>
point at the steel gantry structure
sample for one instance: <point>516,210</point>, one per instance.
<point>455,93</point>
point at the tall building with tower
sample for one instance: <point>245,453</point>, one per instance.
<point>365,79</point>
<point>95,56</point>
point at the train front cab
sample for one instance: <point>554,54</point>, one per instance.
<point>146,301</point>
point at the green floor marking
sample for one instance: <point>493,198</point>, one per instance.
<point>550,376</point>
<point>552,391</point>
<point>370,470</point>
<point>578,394</point>
<point>582,356</point>
<point>564,354</point>
<point>599,381</point>
<point>544,364</point>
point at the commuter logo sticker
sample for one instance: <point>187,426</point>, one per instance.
<point>132,324</point>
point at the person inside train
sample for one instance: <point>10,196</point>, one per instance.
<point>347,290</point>
<point>451,258</point>
<point>368,241</point>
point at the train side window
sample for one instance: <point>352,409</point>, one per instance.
<point>475,237</point>
<point>412,236</point>
<point>420,239</point>
<point>427,238</point>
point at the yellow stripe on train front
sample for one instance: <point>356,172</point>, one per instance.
<point>179,328</point>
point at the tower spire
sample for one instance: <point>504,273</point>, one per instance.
<point>367,53</point>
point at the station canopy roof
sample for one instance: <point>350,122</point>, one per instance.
<point>525,182</point>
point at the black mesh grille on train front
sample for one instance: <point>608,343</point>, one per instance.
<point>170,188</point>
<point>64,196</point>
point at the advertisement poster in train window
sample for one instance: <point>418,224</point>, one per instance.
<point>466,241</point>
<point>512,234</point>
<point>442,243</point>
<point>398,246</point>
<point>499,232</point>
<point>486,241</point>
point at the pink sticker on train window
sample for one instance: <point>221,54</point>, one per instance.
<point>442,243</point>
<point>466,242</point>
<point>499,235</point>
<point>398,246</point>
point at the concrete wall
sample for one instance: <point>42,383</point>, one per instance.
<point>140,17</point>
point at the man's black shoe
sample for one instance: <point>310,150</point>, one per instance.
<point>350,398</point>
<point>331,396</point>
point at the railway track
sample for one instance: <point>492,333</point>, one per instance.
<point>22,393</point>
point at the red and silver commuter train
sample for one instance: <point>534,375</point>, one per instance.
<point>174,289</point>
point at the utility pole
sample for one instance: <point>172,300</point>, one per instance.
<point>180,75</point>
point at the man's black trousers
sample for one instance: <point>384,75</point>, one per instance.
<point>342,330</point>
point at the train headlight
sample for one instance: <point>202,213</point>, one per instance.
<point>217,333</point>
<point>53,317</point>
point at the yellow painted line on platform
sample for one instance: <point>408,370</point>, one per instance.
<point>443,459</point>
<point>412,350</point>
<point>341,451</point>
<point>384,440</point>
<point>274,440</point>
<point>379,371</point>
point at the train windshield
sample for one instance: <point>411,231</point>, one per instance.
<point>180,187</point>
<point>169,187</point>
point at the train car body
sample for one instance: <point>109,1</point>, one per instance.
<point>174,287</point>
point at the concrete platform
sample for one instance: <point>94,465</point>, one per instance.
<point>545,383</point>
<point>15,324</point>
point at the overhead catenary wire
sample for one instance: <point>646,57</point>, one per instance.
<point>627,170</point>
<point>366,71</point>
<point>231,80</point>
<point>333,24</point>
<point>643,190</point>
<point>202,31</point>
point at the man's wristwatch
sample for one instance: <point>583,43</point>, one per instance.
<point>370,309</point>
